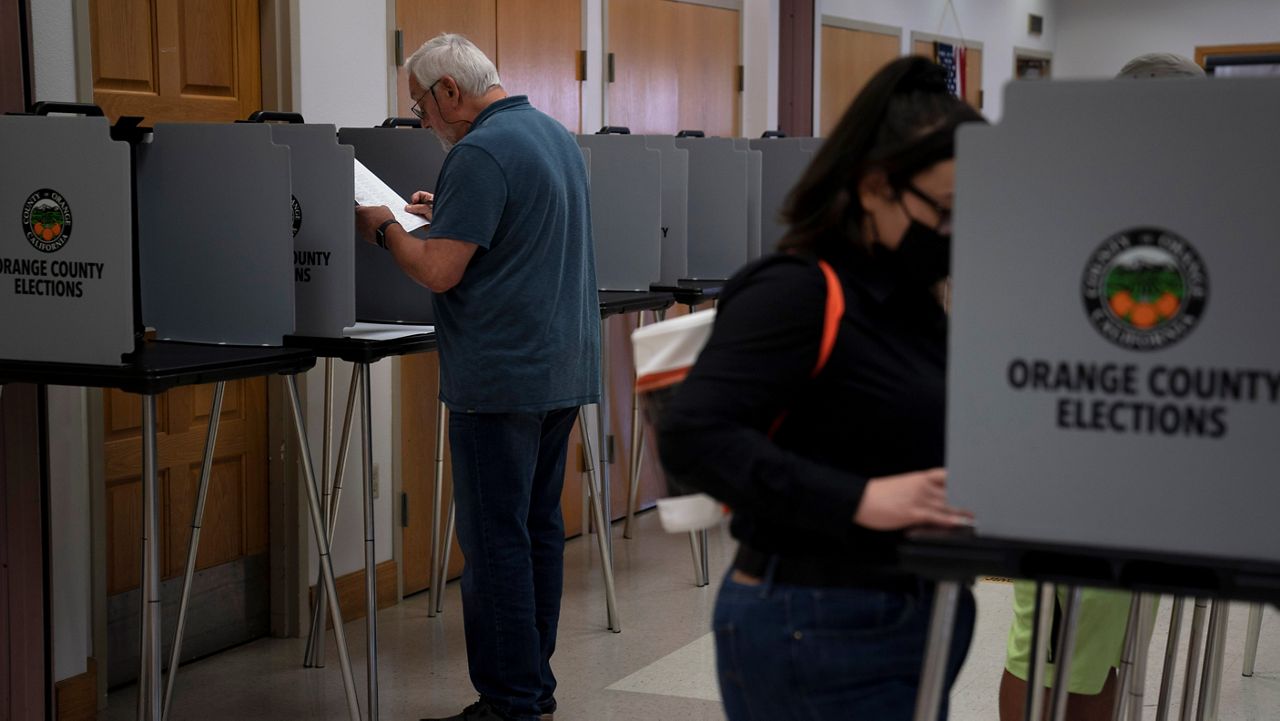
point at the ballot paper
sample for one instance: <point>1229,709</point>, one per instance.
<point>370,190</point>
<point>385,331</point>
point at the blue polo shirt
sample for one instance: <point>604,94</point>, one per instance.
<point>521,330</point>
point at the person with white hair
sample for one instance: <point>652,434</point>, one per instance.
<point>509,258</point>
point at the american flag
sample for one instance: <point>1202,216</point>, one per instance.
<point>952,59</point>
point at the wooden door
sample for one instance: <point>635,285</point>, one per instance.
<point>973,69</point>
<point>234,535</point>
<point>539,43</point>
<point>849,59</point>
<point>13,63</point>
<point>675,67</point>
<point>176,60</point>
<point>421,20</point>
<point>534,44</point>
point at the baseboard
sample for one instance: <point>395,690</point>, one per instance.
<point>76,698</point>
<point>351,591</point>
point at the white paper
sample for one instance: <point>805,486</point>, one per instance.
<point>370,190</point>
<point>385,331</point>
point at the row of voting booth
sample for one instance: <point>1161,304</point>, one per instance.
<point>235,244</point>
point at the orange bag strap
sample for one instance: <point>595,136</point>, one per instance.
<point>831,316</point>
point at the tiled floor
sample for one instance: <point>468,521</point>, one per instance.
<point>660,667</point>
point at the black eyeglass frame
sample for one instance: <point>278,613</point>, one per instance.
<point>944,213</point>
<point>417,111</point>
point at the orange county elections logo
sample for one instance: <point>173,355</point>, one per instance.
<point>297,216</point>
<point>1145,288</point>
<point>46,219</point>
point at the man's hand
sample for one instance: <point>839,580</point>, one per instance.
<point>368,218</point>
<point>910,499</point>
<point>421,203</point>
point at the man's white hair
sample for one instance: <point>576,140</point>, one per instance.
<point>1161,65</point>
<point>453,55</point>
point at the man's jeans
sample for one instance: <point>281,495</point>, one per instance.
<point>508,471</point>
<point>798,653</point>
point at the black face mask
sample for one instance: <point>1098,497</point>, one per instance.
<point>924,255</point>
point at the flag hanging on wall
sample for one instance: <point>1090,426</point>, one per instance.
<point>952,58</point>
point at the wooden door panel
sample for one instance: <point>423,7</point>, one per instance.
<point>421,20</point>
<point>538,42</point>
<point>124,52</point>
<point>205,25</point>
<point>849,59</point>
<point>176,60</point>
<point>973,77</point>
<point>708,68</point>
<point>645,93</point>
<point>236,513</point>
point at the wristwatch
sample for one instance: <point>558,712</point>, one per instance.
<point>380,235</point>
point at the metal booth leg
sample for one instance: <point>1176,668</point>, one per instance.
<point>1251,636</point>
<point>1214,649</point>
<point>149,700</point>
<point>637,451</point>
<point>193,545</point>
<point>597,514</point>
<point>316,629</point>
<point>1124,674</point>
<point>447,551</point>
<point>1066,649</point>
<point>322,543</point>
<point>314,656</point>
<point>1187,710</point>
<point>1041,629</point>
<point>1170,660</point>
<point>695,546</point>
<point>370,557</point>
<point>942,622</point>
<point>1138,683</point>
<point>434,602</point>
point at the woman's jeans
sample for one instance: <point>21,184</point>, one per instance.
<point>799,652</point>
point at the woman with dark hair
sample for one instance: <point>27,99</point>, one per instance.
<point>823,471</point>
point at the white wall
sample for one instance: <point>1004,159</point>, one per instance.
<point>760,66</point>
<point>55,50</point>
<point>343,59</point>
<point>69,520</point>
<point>1000,25</point>
<point>1097,37</point>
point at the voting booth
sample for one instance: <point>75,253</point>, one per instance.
<point>66,254</point>
<point>784,161</point>
<point>1113,399</point>
<point>215,235</point>
<point>723,219</point>
<point>675,207</point>
<point>626,210</point>
<point>408,159</point>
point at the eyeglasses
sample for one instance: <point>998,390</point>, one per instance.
<point>944,213</point>
<point>417,111</point>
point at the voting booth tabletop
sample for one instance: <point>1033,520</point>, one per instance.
<point>961,555</point>
<point>619,302</point>
<point>691,292</point>
<point>363,350</point>
<point>159,366</point>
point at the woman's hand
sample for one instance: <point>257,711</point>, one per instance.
<point>421,203</point>
<point>892,503</point>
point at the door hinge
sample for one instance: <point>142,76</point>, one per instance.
<point>582,65</point>
<point>399,42</point>
<point>404,510</point>
<point>611,68</point>
<point>742,78</point>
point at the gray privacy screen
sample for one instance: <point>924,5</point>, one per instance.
<point>1114,370</point>
<point>66,241</point>
<point>407,159</point>
<point>626,211</point>
<point>718,207</point>
<point>324,228</point>
<point>215,234</point>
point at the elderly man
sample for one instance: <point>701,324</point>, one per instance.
<point>510,260</point>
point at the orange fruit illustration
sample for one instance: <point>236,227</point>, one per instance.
<point>1122,303</point>
<point>1144,316</point>
<point>1167,304</point>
